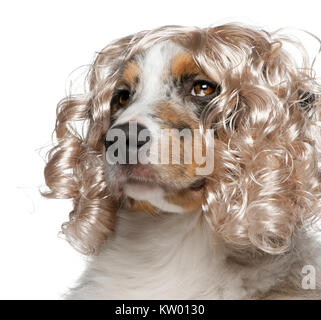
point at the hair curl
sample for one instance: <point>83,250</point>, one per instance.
<point>266,182</point>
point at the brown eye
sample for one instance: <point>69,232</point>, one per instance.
<point>202,89</point>
<point>124,97</point>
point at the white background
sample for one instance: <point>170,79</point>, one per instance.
<point>41,43</point>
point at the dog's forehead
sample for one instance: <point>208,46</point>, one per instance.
<point>157,63</point>
<point>156,60</point>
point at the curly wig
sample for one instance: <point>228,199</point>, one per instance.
<point>266,181</point>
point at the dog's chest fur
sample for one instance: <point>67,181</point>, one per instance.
<point>174,256</point>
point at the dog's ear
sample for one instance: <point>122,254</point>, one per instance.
<point>265,187</point>
<point>266,181</point>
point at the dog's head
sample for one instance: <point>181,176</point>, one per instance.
<point>178,119</point>
<point>155,114</point>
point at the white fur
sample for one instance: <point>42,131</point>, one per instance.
<point>154,196</point>
<point>174,256</point>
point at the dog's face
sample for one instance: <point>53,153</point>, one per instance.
<point>160,90</point>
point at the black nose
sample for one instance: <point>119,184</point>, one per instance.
<point>132,141</point>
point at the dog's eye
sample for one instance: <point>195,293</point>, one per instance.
<point>202,89</point>
<point>123,97</point>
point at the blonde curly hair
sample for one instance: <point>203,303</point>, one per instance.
<point>266,182</point>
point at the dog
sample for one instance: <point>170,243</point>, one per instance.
<point>241,224</point>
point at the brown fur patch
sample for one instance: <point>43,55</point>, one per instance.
<point>143,206</point>
<point>183,63</point>
<point>130,74</point>
<point>186,199</point>
<point>174,118</point>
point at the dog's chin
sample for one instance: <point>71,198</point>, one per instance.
<point>141,190</point>
<point>157,195</point>
<point>143,183</point>
<point>153,194</point>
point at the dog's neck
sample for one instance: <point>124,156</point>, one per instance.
<point>178,255</point>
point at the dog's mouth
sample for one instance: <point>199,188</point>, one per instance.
<point>144,183</point>
<point>145,178</point>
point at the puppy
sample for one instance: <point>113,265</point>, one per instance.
<point>232,211</point>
